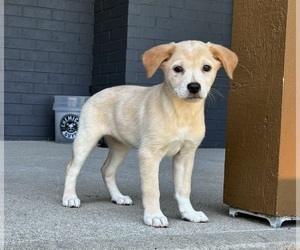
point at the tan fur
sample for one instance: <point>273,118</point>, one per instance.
<point>166,119</point>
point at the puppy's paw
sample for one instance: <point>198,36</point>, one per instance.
<point>71,201</point>
<point>122,200</point>
<point>195,216</point>
<point>156,220</point>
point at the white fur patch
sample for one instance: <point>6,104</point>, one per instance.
<point>187,211</point>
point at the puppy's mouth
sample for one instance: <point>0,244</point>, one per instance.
<point>194,97</point>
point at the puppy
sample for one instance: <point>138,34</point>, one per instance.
<point>163,120</point>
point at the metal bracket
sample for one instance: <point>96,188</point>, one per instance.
<point>274,221</point>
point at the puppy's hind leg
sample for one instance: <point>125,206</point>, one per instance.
<point>82,146</point>
<point>117,153</point>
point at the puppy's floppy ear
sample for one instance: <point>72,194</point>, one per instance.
<point>228,58</point>
<point>155,56</point>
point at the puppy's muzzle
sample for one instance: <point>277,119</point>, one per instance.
<point>194,87</point>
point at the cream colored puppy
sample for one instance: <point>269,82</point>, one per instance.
<point>163,120</point>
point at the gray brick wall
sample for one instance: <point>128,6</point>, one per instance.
<point>153,22</point>
<point>48,51</point>
<point>61,47</point>
<point>110,43</point>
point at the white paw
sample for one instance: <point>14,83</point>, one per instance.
<point>71,201</point>
<point>156,220</point>
<point>122,200</point>
<point>194,216</point>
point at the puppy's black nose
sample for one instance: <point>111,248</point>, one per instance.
<point>194,87</point>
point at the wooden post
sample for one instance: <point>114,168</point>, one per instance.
<point>260,161</point>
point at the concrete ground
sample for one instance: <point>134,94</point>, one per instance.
<point>35,218</point>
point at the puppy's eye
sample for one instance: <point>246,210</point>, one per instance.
<point>178,69</point>
<point>206,68</point>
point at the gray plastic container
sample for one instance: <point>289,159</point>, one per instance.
<point>67,110</point>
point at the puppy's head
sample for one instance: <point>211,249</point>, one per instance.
<point>190,67</point>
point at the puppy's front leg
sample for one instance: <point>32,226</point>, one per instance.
<point>149,165</point>
<point>183,163</point>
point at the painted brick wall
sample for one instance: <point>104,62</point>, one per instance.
<point>48,51</point>
<point>153,22</point>
<point>109,43</point>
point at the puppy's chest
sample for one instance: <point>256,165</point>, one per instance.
<point>184,136</point>
<point>189,133</point>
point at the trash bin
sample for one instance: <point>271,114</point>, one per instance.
<point>67,110</point>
